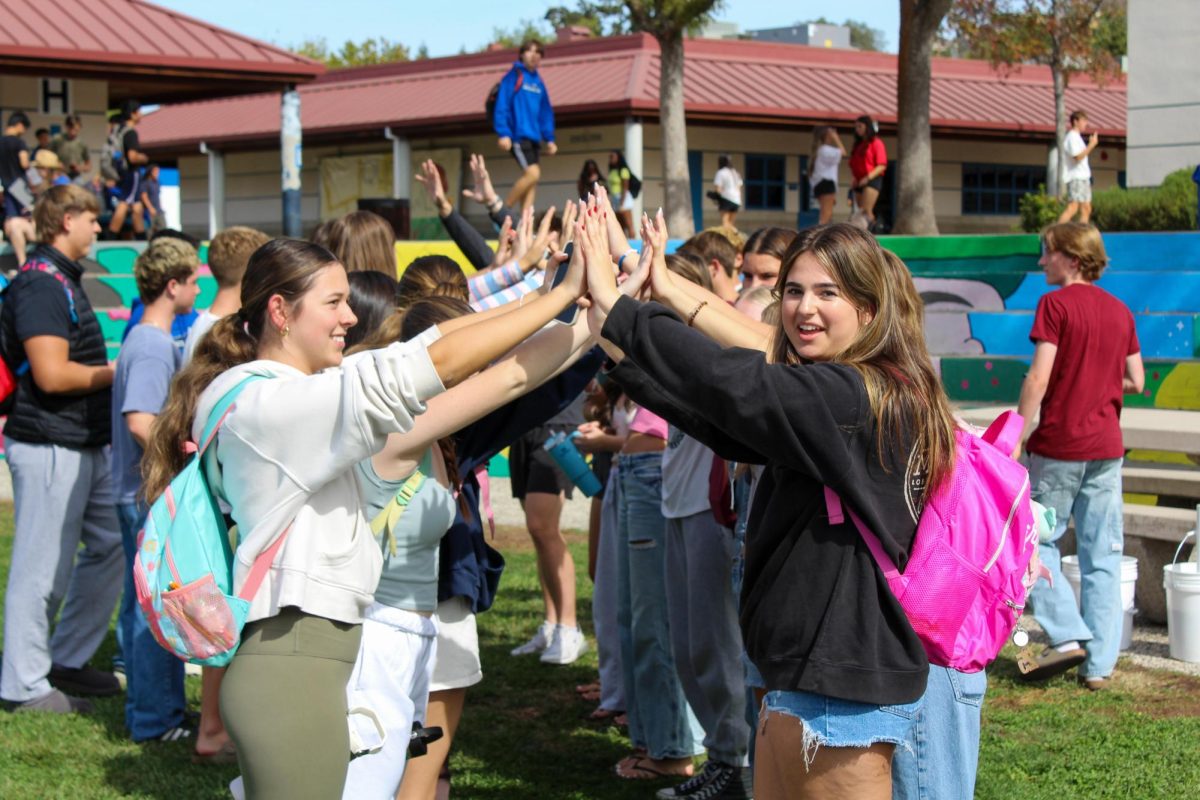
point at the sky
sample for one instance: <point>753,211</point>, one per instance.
<point>446,27</point>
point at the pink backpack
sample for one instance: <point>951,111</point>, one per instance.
<point>964,587</point>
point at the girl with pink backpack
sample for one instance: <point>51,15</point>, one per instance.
<point>847,398</point>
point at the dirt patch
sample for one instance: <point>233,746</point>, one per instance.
<point>1155,693</point>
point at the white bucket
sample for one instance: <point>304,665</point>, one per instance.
<point>1070,571</point>
<point>1182,583</point>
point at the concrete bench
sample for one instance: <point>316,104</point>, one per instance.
<point>1161,481</point>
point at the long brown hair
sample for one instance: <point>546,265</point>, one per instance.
<point>429,275</point>
<point>286,267</point>
<point>362,240</point>
<point>905,393</point>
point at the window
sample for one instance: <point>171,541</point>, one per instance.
<point>765,182</point>
<point>997,188</point>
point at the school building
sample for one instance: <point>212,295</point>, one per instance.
<point>59,57</point>
<point>365,128</point>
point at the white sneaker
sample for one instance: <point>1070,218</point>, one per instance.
<point>567,645</point>
<point>539,642</point>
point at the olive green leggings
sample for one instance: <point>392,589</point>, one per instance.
<point>283,701</point>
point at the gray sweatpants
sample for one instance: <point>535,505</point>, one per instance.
<point>62,498</point>
<point>706,640</point>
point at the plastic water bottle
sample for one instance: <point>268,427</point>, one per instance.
<point>564,452</point>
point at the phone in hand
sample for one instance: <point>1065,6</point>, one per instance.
<point>569,314</point>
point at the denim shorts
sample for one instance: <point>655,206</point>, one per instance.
<point>832,722</point>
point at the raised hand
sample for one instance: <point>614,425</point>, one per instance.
<point>570,212</point>
<point>590,236</point>
<point>504,244</point>
<point>431,179</point>
<point>524,233</point>
<point>654,234</point>
<point>482,190</point>
<point>537,248</point>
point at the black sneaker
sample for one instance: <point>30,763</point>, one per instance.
<point>712,771</point>
<point>86,680</point>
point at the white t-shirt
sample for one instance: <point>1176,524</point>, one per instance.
<point>1076,170</point>
<point>685,468</point>
<point>825,165</point>
<point>729,184</point>
<point>204,321</point>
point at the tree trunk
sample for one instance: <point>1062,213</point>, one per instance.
<point>676,185</point>
<point>919,23</point>
<point>1060,125</point>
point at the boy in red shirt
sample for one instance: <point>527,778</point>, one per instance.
<point>1086,358</point>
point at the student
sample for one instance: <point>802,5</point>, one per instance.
<point>828,152</point>
<point>413,478</point>
<point>727,191</point>
<point>166,278</point>
<point>18,197</point>
<point>56,444</point>
<point>228,253</point>
<point>72,150</point>
<point>362,241</point>
<point>524,120</point>
<point>848,399</point>
<point>723,261</point>
<point>1084,337</point>
<point>762,257</point>
<point>1078,173</point>
<point>868,162</point>
<point>285,459</point>
<point>373,299</point>
<point>128,164</point>
<point>588,177</point>
<point>619,179</point>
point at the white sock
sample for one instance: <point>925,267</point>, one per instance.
<point>1065,646</point>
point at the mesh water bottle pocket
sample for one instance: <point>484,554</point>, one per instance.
<point>939,600</point>
<point>202,616</point>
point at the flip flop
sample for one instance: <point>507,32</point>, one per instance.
<point>641,768</point>
<point>226,755</point>
<point>587,688</point>
<point>603,714</point>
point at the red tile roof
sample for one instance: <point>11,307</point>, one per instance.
<point>134,37</point>
<point>747,81</point>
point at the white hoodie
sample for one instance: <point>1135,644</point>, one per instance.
<point>286,453</point>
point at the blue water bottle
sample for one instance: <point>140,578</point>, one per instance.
<point>567,456</point>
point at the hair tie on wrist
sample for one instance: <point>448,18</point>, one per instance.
<point>621,260</point>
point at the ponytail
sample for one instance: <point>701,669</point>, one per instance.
<point>225,346</point>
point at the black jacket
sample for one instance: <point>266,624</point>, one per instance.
<point>38,304</point>
<point>817,615</point>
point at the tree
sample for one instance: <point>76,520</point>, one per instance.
<point>1069,36</point>
<point>354,54</point>
<point>919,24</point>
<point>668,21</point>
<point>602,19</point>
<point>513,37</point>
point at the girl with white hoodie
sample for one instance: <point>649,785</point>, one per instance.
<point>285,466</point>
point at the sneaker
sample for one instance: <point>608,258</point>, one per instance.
<point>86,680</point>
<point>56,703</point>
<point>1048,663</point>
<point>1094,684</point>
<point>539,642</point>
<point>716,781</point>
<point>566,646</point>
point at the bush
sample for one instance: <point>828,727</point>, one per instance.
<point>1169,207</point>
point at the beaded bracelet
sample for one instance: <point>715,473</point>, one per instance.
<point>692,317</point>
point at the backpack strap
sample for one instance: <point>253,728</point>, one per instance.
<point>389,516</point>
<point>221,410</point>
<point>833,506</point>
<point>1005,431</point>
<point>50,269</point>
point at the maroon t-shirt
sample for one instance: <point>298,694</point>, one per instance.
<point>1081,412</point>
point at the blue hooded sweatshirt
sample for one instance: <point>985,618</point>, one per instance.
<point>524,113</point>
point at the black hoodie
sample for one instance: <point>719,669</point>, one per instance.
<point>817,615</point>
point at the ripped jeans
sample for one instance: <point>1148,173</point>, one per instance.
<point>832,722</point>
<point>659,717</point>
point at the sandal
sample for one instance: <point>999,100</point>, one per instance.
<point>587,688</point>
<point>226,755</point>
<point>604,714</point>
<point>644,768</point>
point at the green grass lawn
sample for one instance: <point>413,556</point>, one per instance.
<point>524,734</point>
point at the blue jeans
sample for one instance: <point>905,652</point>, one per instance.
<point>1091,492</point>
<point>154,698</point>
<point>942,752</point>
<point>659,718</point>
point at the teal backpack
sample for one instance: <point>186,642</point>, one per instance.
<point>183,570</point>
